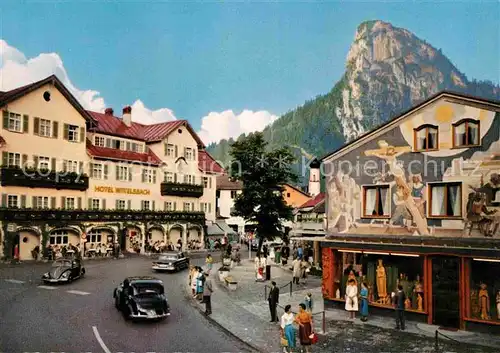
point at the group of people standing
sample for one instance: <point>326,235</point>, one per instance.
<point>201,285</point>
<point>288,328</point>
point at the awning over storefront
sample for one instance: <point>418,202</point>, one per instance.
<point>225,228</point>
<point>214,230</point>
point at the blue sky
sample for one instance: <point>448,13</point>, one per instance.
<point>202,57</point>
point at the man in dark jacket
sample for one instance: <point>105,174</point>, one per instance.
<point>399,304</point>
<point>273,299</point>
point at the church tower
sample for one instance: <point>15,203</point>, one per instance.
<point>314,178</point>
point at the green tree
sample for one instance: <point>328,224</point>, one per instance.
<point>263,172</point>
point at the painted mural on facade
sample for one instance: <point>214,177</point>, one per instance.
<point>436,173</point>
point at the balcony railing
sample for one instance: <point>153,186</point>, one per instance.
<point>59,215</point>
<point>35,178</point>
<point>181,189</point>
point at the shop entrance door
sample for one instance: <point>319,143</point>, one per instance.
<point>445,291</point>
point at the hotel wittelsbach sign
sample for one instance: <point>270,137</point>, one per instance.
<point>130,191</point>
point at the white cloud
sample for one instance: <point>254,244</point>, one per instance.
<point>16,70</point>
<point>217,126</point>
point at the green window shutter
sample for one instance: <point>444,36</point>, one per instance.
<point>90,203</point>
<point>153,206</point>
<point>164,205</point>
<point>82,134</point>
<point>5,115</point>
<point>64,165</point>
<point>33,202</point>
<point>36,126</point>
<point>63,202</point>
<point>24,160</point>
<point>26,120</point>
<point>35,161</point>
<point>130,173</point>
<point>52,202</point>
<point>184,153</point>
<point>91,168</point>
<point>23,201</point>
<point>209,207</point>
<point>192,206</point>
<point>175,177</point>
<point>55,129</point>
<point>108,143</point>
<point>154,176</point>
<point>66,132</point>
<point>128,148</point>
<point>79,203</point>
<point>165,148</point>
<point>4,200</point>
<point>103,204</point>
<point>210,182</point>
<point>194,154</point>
<point>129,204</point>
<point>5,158</point>
<point>175,206</point>
<point>53,164</point>
<point>105,171</point>
<point>117,172</point>
<point>80,167</point>
<point>176,151</point>
<point>116,204</point>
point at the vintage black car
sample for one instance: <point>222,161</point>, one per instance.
<point>64,271</point>
<point>171,261</point>
<point>142,298</point>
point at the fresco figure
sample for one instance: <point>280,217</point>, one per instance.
<point>400,212</point>
<point>343,203</point>
<point>390,154</point>
<point>418,192</point>
<point>478,214</point>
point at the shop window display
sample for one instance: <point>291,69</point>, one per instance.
<point>484,291</point>
<point>382,274</point>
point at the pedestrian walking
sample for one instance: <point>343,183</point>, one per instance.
<point>209,261</point>
<point>399,305</point>
<point>207,294</point>
<point>308,301</point>
<point>273,299</point>
<point>304,320</point>
<point>200,282</point>
<point>296,271</point>
<point>287,329</point>
<point>304,269</point>
<point>194,280</point>
<point>364,301</point>
<point>351,298</point>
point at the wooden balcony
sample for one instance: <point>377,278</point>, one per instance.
<point>47,179</point>
<point>181,189</point>
<point>22,215</point>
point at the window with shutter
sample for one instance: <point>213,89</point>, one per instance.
<point>23,201</point>
<point>36,126</point>
<point>66,132</point>
<point>26,123</point>
<point>5,115</point>
<point>79,203</point>
<point>105,171</point>
<point>55,129</point>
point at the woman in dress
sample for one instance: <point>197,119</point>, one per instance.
<point>200,281</point>
<point>194,280</point>
<point>364,301</point>
<point>209,262</point>
<point>304,320</point>
<point>287,328</point>
<point>351,298</point>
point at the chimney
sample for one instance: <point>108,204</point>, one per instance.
<point>127,116</point>
<point>109,111</point>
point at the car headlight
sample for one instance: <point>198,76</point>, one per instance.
<point>46,275</point>
<point>65,275</point>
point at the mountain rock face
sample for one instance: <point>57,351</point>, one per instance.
<point>388,70</point>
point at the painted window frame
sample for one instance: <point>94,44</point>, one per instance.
<point>45,128</point>
<point>170,150</point>
<point>43,163</point>
<point>42,202</point>
<point>234,194</point>
<point>466,121</point>
<point>122,173</point>
<point>99,141</point>
<point>121,204</point>
<point>96,204</point>
<point>73,132</point>
<point>97,171</point>
<point>12,197</point>
<point>14,159</point>
<point>429,187</point>
<point>70,203</point>
<point>14,120</point>
<point>168,177</point>
<point>366,187</point>
<point>426,127</point>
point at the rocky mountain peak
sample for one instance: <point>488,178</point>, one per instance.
<point>384,58</point>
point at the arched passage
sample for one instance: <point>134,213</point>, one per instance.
<point>29,239</point>
<point>156,233</point>
<point>133,238</point>
<point>175,234</point>
<point>195,236</point>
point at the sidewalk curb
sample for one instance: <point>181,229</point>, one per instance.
<point>187,293</point>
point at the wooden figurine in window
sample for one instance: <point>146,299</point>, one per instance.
<point>484,302</point>
<point>420,302</point>
<point>381,282</point>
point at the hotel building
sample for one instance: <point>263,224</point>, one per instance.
<point>416,202</point>
<point>71,176</point>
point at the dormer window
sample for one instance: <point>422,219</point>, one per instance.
<point>466,133</point>
<point>426,138</point>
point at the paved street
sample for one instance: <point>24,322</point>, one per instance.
<point>245,312</point>
<point>81,317</point>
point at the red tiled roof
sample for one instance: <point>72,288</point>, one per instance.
<point>112,125</point>
<point>314,201</point>
<point>224,182</point>
<point>207,164</point>
<point>110,153</point>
